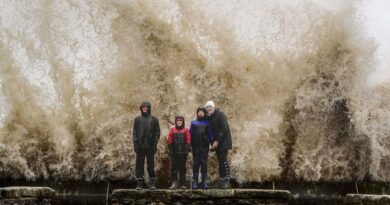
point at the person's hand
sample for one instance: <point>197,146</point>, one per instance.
<point>215,145</point>
<point>136,150</point>
<point>188,148</point>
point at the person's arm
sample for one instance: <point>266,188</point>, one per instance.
<point>188,140</point>
<point>223,128</point>
<point>192,130</point>
<point>210,134</point>
<point>135,135</point>
<point>170,141</point>
<point>188,136</point>
<point>170,136</point>
<point>157,132</point>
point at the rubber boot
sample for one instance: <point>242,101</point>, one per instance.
<point>195,182</point>
<point>224,183</point>
<point>194,185</point>
<point>204,183</point>
<point>183,181</point>
<point>183,184</point>
<point>140,183</point>
<point>152,184</point>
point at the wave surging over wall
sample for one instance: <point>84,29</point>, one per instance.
<point>290,77</point>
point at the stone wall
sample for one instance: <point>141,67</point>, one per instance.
<point>366,199</point>
<point>211,196</point>
<point>26,195</point>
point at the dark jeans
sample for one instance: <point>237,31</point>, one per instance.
<point>178,166</point>
<point>200,156</point>
<point>140,161</point>
<point>224,168</point>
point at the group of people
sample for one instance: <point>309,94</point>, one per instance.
<point>209,132</point>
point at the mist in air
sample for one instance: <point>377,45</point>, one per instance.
<point>303,84</point>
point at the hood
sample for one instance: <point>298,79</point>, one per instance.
<point>205,113</point>
<point>182,118</point>
<point>147,104</point>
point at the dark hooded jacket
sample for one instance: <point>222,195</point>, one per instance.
<point>221,130</point>
<point>146,130</point>
<point>201,132</point>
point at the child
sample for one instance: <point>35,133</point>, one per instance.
<point>201,138</point>
<point>179,140</point>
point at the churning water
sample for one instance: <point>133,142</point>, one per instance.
<point>291,77</point>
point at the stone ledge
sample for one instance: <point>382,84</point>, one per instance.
<point>27,192</point>
<point>211,196</point>
<point>367,199</point>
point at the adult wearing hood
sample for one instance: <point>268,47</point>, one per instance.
<point>146,133</point>
<point>222,141</point>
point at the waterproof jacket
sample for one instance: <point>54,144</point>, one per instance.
<point>146,130</point>
<point>179,138</point>
<point>221,130</point>
<point>201,132</point>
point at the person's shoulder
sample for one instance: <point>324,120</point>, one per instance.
<point>154,117</point>
<point>219,112</point>
<point>194,122</point>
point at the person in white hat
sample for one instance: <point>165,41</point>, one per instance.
<point>222,141</point>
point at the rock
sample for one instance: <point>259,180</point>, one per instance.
<point>210,196</point>
<point>366,199</point>
<point>35,192</point>
<point>26,195</point>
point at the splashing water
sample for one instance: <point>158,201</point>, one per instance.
<point>290,77</point>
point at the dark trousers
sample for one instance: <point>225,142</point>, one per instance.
<point>224,168</point>
<point>140,161</point>
<point>200,156</point>
<point>178,166</point>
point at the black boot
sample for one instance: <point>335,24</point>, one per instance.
<point>140,183</point>
<point>183,181</point>
<point>151,183</point>
<point>224,183</point>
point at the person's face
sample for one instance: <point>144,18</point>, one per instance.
<point>210,109</point>
<point>201,114</point>
<point>144,109</point>
<point>179,122</point>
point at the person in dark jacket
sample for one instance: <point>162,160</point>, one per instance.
<point>146,133</point>
<point>222,142</point>
<point>201,138</point>
<point>179,141</point>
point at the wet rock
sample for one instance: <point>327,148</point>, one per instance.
<point>211,196</point>
<point>366,199</point>
<point>26,195</point>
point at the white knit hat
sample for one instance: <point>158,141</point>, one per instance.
<point>210,103</point>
